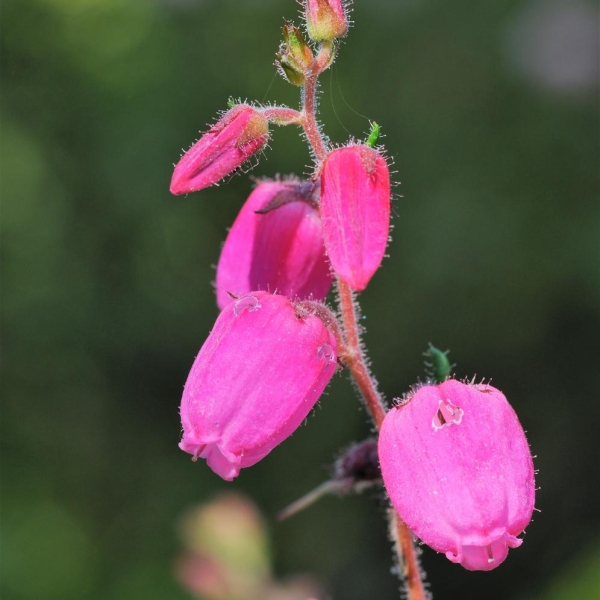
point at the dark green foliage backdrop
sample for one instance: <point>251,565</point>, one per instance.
<point>107,294</point>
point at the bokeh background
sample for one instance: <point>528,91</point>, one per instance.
<point>490,113</point>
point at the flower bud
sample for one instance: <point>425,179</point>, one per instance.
<point>256,378</point>
<point>238,134</point>
<point>458,470</point>
<point>355,209</point>
<point>275,244</point>
<point>326,19</point>
<point>295,56</point>
<point>359,463</point>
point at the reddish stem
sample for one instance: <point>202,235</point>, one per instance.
<point>355,360</point>
<point>407,557</point>
<point>353,355</point>
<point>282,115</point>
<point>309,102</point>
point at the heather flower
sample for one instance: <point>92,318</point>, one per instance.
<point>275,244</point>
<point>458,470</point>
<point>235,137</point>
<point>355,209</point>
<point>256,378</point>
<point>326,19</point>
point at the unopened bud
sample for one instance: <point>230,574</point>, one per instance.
<point>238,134</point>
<point>294,56</point>
<point>359,464</point>
<point>355,470</point>
<point>326,20</point>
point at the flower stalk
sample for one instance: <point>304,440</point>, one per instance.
<point>309,101</point>
<point>353,356</point>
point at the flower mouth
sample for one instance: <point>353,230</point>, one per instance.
<point>487,555</point>
<point>225,464</point>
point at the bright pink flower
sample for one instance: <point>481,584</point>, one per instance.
<point>355,209</point>
<point>458,469</point>
<point>256,378</point>
<point>237,135</point>
<point>326,19</point>
<point>280,250</point>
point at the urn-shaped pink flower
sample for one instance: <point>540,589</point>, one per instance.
<point>326,19</point>
<point>458,470</point>
<point>257,376</point>
<point>275,244</point>
<point>237,135</point>
<point>355,209</point>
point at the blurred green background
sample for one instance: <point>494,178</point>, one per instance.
<point>490,113</point>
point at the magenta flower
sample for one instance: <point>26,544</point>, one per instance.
<point>326,19</point>
<point>355,209</point>
<point>280,250</point>
<point>256,378</point>
<point>458,470</point>
<point>237,135</point>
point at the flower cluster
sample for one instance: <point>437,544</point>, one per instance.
<point>454,458</point>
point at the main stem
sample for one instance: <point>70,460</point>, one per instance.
<point>309,102</point>
<point>353,354</point>
<point>354,357</point>
<point>355,360</point>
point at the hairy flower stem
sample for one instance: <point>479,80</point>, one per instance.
<point>282,115</point>
<point>309,101</point>
<point>407,557</point>
<point>328,487</point>
<point>354,358</point>
<point>353,355</point>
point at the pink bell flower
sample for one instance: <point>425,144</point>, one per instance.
<point>280,250</point>
<point>458,470</point>
<point>355,209</point>
<point>261,370</point>
<point>235,137</point>
<point>326,19</point>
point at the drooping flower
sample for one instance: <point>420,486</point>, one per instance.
<point>275,244</point>
<point>326,19</point>
<point>236,136</point>
<point>257,376</point>
<point>458,469</point>
<point>355,209</point>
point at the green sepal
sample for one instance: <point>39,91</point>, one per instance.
<point>290,72</point>
<point>295,56</point>
<point>438,363</point>
<point>373,135</point>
